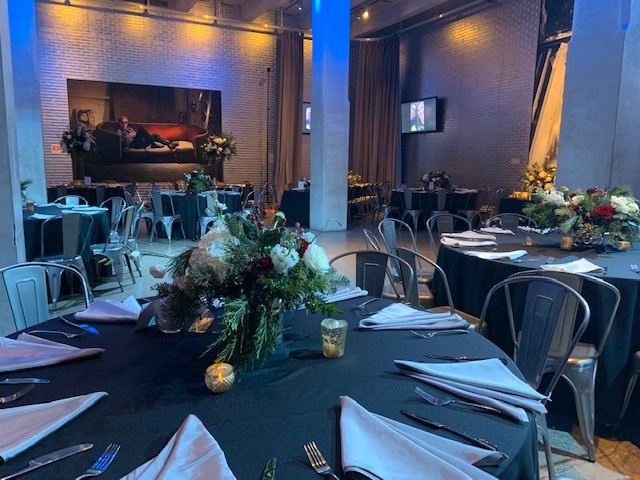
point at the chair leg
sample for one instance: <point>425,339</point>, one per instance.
<point>627,395</point>
<point>128,260</point>
<point>168,229</point>
<point>117,267</point>
<point>582,381</point>
<point>541,424</point>
<point>154,223</point>
<point>184,237</point>
<point>83,271</point>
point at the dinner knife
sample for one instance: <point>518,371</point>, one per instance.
<point>478,441</point>
<point>18,381</point>
<point>82,326</point>
<point>462,358</point>
<point>50,458</point>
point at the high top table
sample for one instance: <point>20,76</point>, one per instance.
<point>471,278</point>
<point>155,380</point>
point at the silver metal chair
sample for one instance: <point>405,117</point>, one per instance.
<point>115,206</point>
<point>632,383</point>
<point>371,270</point>
<point>71,200</point>
<point>389,229</point>
<point>533,328</point>
<point>382,201</point>
<point>252,203</point>
<point>511,221</point>
<point>581,369</point>
<point>408,207</point>
<point>443,201</point>
<point>116,251</point>
<point>72,247</point>
<point>134,233</point>
<point>210,216</point>
<point>26,286</point>
<point>371,240</point>
<point>445,223</point>
<point>166,219</point>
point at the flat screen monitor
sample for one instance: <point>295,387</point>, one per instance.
<point>419,116</point>
<point>306,118</point>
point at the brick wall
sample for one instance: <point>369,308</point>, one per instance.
<point>482,66</point>
<point>85,44</point>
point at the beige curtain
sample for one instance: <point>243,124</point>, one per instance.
<point>376,123</point>
<point>289,129</point>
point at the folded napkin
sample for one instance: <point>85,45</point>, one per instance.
<point>497,255</point>
<point>469,235</point>
<point>402,317</point>
<point>23,427</point>
<point>380,448</point>
<point>345,293</point>
<point>455,242</point>
<point>111,311</point>
<point>191,453</point>
<point>29,351</point>
<point>487,382</point>
<point>542,231</point>
<point>498,230</point>
<point>465,190</point>
<point>41,216</point>
<point>578,266</point>
<point>49,205</point>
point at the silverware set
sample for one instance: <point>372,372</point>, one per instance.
<point>82,326</point>
<point>22,392</point>
<point>435,333</point>
<point>462,358</point>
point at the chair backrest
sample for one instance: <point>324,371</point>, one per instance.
<point>26,286</point>
<point>445,223</point>
<point>408,199</point>
<point>128,198</point>
<point>156,200</point>
<point>442,197</point>
<point>511,221</point>
<point>235,188</point>
<point>371,240</point>
<point>73,243</point>
<point>135,223</point>
<point>126,219</point>
<point>577,282</point>
<point>71,200</point>
<point>115,206</point>
<point>538,319</point>
<point>212,196</point>
<point>389,229</point>
<point>252,200</point>
<point>371,270</point>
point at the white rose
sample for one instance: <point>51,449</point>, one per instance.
<point>283,258</point>
<point>308,236</point>
<point>316,258</point>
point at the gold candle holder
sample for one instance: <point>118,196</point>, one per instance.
<point>566,243</point>
<point>219,377</point>
<point>624,246</point>
<point>31,207</point>
<point>334,337</point>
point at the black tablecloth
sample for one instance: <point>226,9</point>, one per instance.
<point>512,205</point>
<point>295,206</point>
<point>94,194</point>
<point>471,278</point>
<point>155,380</point>
<point>427,201</point>
<point>53,244</point>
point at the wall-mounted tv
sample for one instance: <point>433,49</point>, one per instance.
<point>306,117</point>
<point>420,116</point>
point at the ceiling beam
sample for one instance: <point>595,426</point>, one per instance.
<point>392,14</point>
<point>250,10</point>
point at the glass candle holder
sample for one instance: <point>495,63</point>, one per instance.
<point>566,242</point>
<point>334,337</point>
<point>219,377</point>
<point>624,246</point>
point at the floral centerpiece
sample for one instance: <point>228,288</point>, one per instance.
<point>438,178</point>
<point>538,176</point>
<point>197,181</point>
<point>219,147</point>
<point>78,142</point>
<point>550,208</point>
<point>353,178</point>
<point>259,272</point>
<point>24,184</point>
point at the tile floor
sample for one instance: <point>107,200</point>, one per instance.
<point>616,460</point>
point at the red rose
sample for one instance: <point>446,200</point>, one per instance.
<point>587,217</point>
<point>604,211</point>
<point>303,247</point>
<point>262,266</point>
<point>571,195</point>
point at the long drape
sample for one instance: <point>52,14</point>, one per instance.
<point>289,129</point>
<point>376,123</point>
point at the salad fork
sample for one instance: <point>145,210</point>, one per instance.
<point>68,335</point>
<point>317,461</point>
<point>102,463</point>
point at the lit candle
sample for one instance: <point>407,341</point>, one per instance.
<point>566,243</point>
<point>624,246</point>
<point>219,377</point>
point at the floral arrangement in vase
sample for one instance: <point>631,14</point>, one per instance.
<point>219,147</point>
<point>197,181</point>
<point>437,179</point>
<point>353,178</point>
<point>78,140</point>
<point>260,272</point>
<point>538,176</point>
<point>550,207</point>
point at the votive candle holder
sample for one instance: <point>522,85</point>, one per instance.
<point>334,337</point>
<point>219,377</point>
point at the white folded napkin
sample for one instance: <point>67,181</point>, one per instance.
<point>469,235</point>
<point>48,205</point>
<point>577,266</point>
<point>402,317</point>
<point>111,311</point>
<point>488,382</point>
<point>455,242</point>
<point>41,216</point>
<point>497,255</point>
<point>497,230</point>
<point>345,293</point>
<point>23,427</point>
<point>465,190</point>
<point>542,231</point>
<point>29,351</point>
<point>380,448</point>
<point>191,453</point>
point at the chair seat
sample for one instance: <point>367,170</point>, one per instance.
<point>581,354</point>
<point>425,275</point>
<point>99,248</point>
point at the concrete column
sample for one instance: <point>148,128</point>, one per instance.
<point>599,98</point>
<point>330,119</point>
<point>11,230</point>
<point>22,20</point>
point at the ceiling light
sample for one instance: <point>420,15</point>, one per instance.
<point>299,7</point>
<point>441,15</point>
<point>365,15</point>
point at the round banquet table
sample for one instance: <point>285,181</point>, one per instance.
<point>155,380</point>
<point>427,201</point>
<point>471,278</point>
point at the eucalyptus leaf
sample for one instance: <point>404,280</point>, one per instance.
<point>269,472</point>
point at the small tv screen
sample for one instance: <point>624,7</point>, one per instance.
<point>306,118</point>
<point>419,116</point>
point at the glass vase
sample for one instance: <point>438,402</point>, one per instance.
<point>587,240</point>
<point>166,322</point>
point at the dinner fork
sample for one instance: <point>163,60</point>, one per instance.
<point>364,304</point>
<point>68,335</point>
<point>442,402</point>
<point>17,395</point>
<point>433,333</point>
<point>317,461</point>
<point>103,461</point>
